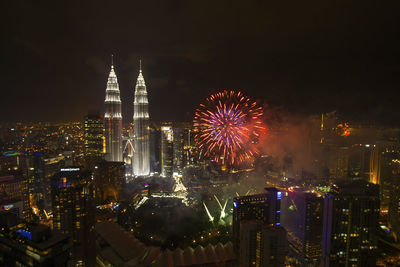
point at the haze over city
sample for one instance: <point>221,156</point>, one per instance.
<point>188,133</point>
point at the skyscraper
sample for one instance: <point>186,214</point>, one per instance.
<point>113,119</point>
<point>73,211</point>
<point>167,138</point>
<point>261,244</point>
<point>179,140</point>
<point>31,244</point>
<point>141,133</point>
<point>94,139</point>
<point>109,179</point>
<point>265,208</point>
<point>350,222</point>
<point>302,213</point>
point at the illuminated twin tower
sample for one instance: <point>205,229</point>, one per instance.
<point>113,124</point>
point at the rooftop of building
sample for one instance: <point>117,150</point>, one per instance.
<point>355,188</point>
<point>121,248</point>
<point>268,190</point>
<point>37,236</point>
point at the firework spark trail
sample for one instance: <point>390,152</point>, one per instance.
<point>227,125</point>
<point>219,203</point>
<point>211,218</point>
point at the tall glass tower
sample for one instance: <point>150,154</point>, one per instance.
<point>141,133</point>
<point>113,119</point>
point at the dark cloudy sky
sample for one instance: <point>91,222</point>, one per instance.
<point>307,56</point>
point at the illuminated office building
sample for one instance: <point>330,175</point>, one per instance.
<point>28,244</point>
<point>93,139</point>
<point>113,119</point>
<point>350,222</point>
<point>37,184</point>
<point>167,145</point>
<point>179,141</point>
<point>394,196</point>
<point>261,245</point>
<point>265,208</point>
<point>94,135</point>
<point>302,213</point>
<point>383,165</point>
<point>73,211</point>
<point>141,133</point>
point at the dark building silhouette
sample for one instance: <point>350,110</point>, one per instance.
<point>350,222</point>
<point>28,244</point>
<point>109,181</point>
<point>264,208</point>
<point>302,214</point>
<point>155,148</point>
<point>73,211</point>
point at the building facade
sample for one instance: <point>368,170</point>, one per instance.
<point>113,119</point>
<point>94,135</point>
<point>28,244</point>
<point>109,180</point>
<point>261,245</point>
<point>302,213</point>
<point>141,133</point>
<point>73,211</point>
<point>265,208</point>
<point>350,222</point>
<point>167,150</point>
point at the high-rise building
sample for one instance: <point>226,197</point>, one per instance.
<point>394,196</point>
<point>73,211</point>
<point>155,148</point>
<point>265,208</point>
<point>261,245</point>
<point>27,244</point>
<point>302,213</point>
<point>94,139</point>
<point>141,133</point>
<point>350,222</point>
<point>16,188</point>
<point>37,184</point>
<point>383,163</point>
<point>113,119</point>
<point>179,141</point>
<point>167,146</point>
<point>109,179</point>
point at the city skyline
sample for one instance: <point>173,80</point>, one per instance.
<point>213,133</point>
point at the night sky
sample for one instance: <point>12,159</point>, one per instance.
<point>304,56</point>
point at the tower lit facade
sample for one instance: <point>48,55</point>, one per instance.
<point>113,119</point>
<point>167,138</point>
<point>93,139</point>
<point>141,133</point>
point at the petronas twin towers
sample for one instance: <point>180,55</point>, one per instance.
<point>113,124</point>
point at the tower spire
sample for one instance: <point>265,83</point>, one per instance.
<point>112,61</point>
<point>140,65</point>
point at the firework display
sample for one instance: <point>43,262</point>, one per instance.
<point>227,127</point>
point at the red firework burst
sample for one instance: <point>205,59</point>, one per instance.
<point>227,127</point>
